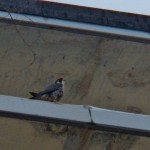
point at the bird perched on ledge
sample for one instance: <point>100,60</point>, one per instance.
<point>52,93</point>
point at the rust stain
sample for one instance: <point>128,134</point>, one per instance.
<point>85,83</point>
<point>77,138</point>
<point>85,134</point>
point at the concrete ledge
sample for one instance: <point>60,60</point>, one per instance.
<point>75,115</point>
<point>76,27</point>
<point>118,14</point>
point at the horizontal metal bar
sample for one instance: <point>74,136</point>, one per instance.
<point>83,28</point>
<point>75,115</point>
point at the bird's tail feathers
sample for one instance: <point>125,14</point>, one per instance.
<point>33,94</point>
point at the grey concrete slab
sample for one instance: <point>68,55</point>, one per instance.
<point>76,115</point>
<point>39,108</point>
<point>120,119</point>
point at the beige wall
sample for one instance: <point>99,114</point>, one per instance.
<point>103,72</point>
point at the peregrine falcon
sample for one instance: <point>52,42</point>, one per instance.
<point>52,93</point>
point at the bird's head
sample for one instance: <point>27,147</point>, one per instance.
<point>60,81</point>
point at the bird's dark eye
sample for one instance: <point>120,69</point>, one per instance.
<point>60,80</point>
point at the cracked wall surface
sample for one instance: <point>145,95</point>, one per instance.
<point>107,73</point>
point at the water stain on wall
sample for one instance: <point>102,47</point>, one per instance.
<point>129,78</point>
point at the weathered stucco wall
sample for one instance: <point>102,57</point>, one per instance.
<point>103,72</point>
